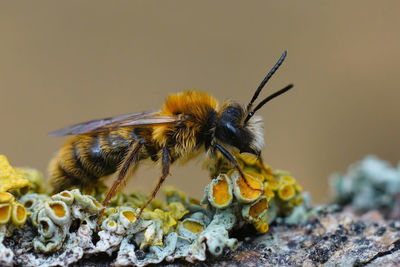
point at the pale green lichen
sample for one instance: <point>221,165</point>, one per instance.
<point>368,184</point>
<point>179,228</point>
<point>54,215</point>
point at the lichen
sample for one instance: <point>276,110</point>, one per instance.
<point>35,178</point>
<point>10,179</point>
<point>12,183</point>
<point>54,216</point>
<point>179,228</point>
<point>265,195</point>
<point>368,184</point>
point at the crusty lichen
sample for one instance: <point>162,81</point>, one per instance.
<point>10,179</point>
<point>34,177</point>
<point>12,213</point>
<point>180,227</point>
<point>266,194</point>
<point>370,183</point>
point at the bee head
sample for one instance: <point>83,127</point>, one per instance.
<point>230,129</point>
<point>238,127</point>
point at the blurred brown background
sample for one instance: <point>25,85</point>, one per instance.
<point>63,62</point>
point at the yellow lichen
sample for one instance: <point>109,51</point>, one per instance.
<point>34,177</point>
<point>194,201</point>
<point>261,227</point>
<point>6,197</point>
<point>298,200</point>
<point>193,226</point>
<point>254,174</point>
<point>286,192</point>
<point>277,185</point>
<point>268,193</point>
<point>244,192</point>
<point>257,208</point>
<point>10,179</point>
<point>177,210</point>
<point>166,218</point>
<point>129,215</point>
<point>288,180</point>
<point>58,209</point>
<point>66,194</point>
<point>298,188</point>
<point>5,213</point>
<point>267,172</point>
<point>273,184</point>
<point>221,193</point>
<point>280,173</point>
<point>169,191</point>
<point>19,214</point>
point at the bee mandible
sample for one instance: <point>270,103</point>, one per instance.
<point>187,122</point>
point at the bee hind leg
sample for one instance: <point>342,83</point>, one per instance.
<point>165,171</point>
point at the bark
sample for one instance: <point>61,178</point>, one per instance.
<point>340,238</point>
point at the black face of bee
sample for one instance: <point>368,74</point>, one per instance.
<point>230,131</point>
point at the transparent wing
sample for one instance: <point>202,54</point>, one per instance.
<point>146,118</point>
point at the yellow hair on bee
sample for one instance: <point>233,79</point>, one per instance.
<point>188,102</point>
<point>191,103</point>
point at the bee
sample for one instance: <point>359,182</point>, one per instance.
<point>187,123</point>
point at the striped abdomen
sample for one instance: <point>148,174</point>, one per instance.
<point>83,159</point>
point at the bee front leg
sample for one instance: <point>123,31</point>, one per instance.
<point>166,162</point>
<point>232,159</point>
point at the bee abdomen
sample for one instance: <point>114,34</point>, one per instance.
<point>84,159</point>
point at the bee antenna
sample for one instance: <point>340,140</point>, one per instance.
<point>266,79</point>
<point>267,99</point>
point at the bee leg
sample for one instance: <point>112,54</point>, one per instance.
<point>232,159</point>
<point>131,157</point>
<point>166,162</point>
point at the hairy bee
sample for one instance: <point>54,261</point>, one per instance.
<point>187,122</point>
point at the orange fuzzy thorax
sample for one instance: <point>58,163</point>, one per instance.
<point>188,102</point>
<point>192,103</point>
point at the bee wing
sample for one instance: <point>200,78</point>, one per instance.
<point>146,118</point>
